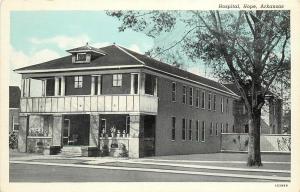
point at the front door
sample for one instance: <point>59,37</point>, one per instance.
<point>66,132</point>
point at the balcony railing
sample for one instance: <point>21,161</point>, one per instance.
<point>89,103</point>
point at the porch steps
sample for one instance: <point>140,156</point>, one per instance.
<point>71,151</point>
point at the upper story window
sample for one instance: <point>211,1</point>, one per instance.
<point>184,94</point>
<point>209,101</point>
<point>81,57</point>
<point>191,94</point>
<point>215,101</point>
<point>197,98</point>
<point>117,80</point>
<point>173,91</point>
<point>78,81</point>
<point>203,100</point>
<point>227,105</point>
<point>222,104</point>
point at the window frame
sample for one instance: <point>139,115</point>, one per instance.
<point>78,84</point>
<point>197,104</point>
<point>215,102</point>
<point>203,132</point>
<point>190,131</point>
<point>197,131</point>
<point>222,104</point>
<point>211,130</point>
<point>184,94</point>
<point>173,128</point>
<point>209,101</point>
<point>77,57</point>
<point>203,99</point>
<point>191,96</point>
<point>183,129</point>
<point>173,94</point>
<point>117,82</point>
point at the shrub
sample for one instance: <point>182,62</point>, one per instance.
<point>13,140</point>
<point>104,151</point>
<point>124,151</point>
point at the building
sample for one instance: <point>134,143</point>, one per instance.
<point>114,99</point>
<point>14,108</point>
<point>270,118</point>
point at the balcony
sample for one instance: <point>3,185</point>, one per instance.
<point>91,103</point>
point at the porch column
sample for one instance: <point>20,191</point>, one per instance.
<point>155,86</point>
<point>142,83</point>
<point>57,130</point>
<point>56,86</point>
<point>22,134</point>
<point>23,88</point>
<point>43,87</point>
<point>99,85</point>
<point>62,86</point>
<point>136,134</point>
<point>93,85</point>
<point>94,130</point>
<point>132,84</point>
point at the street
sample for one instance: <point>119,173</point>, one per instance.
<point>184,168</point>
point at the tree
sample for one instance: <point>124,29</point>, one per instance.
<point>250,48</point>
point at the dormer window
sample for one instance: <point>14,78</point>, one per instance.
<point>85,54</point>
<point>81,57</point>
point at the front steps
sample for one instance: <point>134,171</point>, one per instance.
<point>71,151</point>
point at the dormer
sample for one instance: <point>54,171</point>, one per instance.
<point>85,54</point>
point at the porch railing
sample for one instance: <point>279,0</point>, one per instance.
<point>90,103</point>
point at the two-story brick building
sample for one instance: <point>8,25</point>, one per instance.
<point>115,97</point>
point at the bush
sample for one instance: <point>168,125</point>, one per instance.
<point>104,151</point>
<point>124,151</point>
<point>13,140</point>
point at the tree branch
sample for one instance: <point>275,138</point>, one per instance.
<point>249,23</point>
<point>185,35</point>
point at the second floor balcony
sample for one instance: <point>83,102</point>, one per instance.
<point>106,93</point>
<point>88,103</point>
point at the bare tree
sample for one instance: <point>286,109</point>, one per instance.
<point>250,48</point>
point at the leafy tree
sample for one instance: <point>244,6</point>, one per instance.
<point>250,48</point>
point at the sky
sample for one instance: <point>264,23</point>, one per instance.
<point>39,36</point>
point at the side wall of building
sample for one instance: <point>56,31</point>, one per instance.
<point>164,145</point>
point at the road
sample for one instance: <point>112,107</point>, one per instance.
<point>52,173</point>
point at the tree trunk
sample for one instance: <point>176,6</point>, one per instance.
<point>254,157</point>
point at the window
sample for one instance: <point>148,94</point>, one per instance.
<point>150,84</point>
<point>246,128</point>
<point>216,129</point>
<point>78,81</point>
<point>222,128</point>
<point>173,128</point>
<point>222,104</point>
<point>127,124</point>
<point>191,96</point>
<point>183,129</point>
<point>227,105</point>
<point>215,100</point>
<point>233,129</point>
<point>190,130</point>
<point>203,132</point>
<point>211,129</point>
<point>15,123</point>
<point>103,126</point>
<point>197,98</point>
<point>81,57</point>
<point>135,83</point>
<point>184,94</point>
<point>226,129</point>
<point>173,91</point>
<point>203,100</point>
<point>209,101</point>
<point>197,130</point>
<point>117,80</point>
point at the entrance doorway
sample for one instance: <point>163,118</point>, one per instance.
<point>76,129</point>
